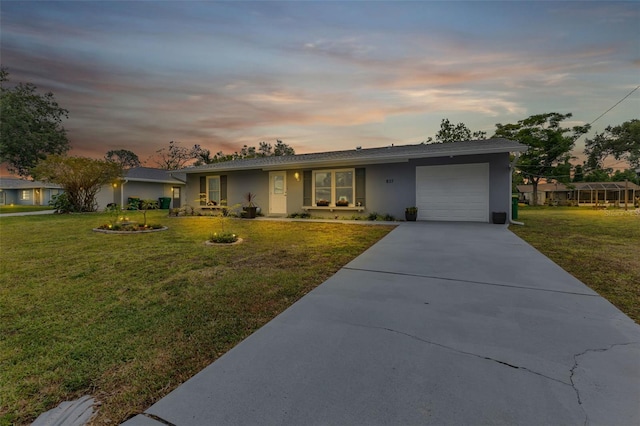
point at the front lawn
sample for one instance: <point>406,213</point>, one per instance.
<point>599,247</point>
<point>127,318</point>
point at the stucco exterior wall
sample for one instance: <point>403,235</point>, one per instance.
<point>12,196</point>
<point>390,187</point>
<point>255,181</point>
<point>294,192</point>
<point>105,196</point>
<point>238,184</point>
<point>143,190</point>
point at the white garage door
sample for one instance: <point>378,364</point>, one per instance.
<point>457,192</point>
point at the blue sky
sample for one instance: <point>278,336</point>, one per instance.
<point>318,75</point>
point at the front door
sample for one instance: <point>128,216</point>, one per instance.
<point>278,193</point>
<point>176,197</point>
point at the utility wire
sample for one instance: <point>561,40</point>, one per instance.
<point>615,105</point>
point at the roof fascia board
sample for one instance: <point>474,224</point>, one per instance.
<point>172,182</point>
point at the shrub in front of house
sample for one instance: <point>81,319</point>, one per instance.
<point>223,238</point>
<point>61,203</point>
<point>300,215</point>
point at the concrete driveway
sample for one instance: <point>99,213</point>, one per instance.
<point>438,323</point>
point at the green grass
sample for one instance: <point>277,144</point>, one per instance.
<point>127,318</point>
<point>599,247</point>
<point>20,209</point>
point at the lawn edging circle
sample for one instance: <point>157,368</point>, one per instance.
<point>236,242</point>
<point>144,231</point>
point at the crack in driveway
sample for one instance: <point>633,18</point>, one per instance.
<point>520,287</point>
<point>575,366</point>
<point>451,348</point>
<point>507,364</point>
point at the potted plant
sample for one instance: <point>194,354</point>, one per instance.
<point>322,203</point>
<point>342,202</point>
<point>250,206</point>
<point>411,214</point>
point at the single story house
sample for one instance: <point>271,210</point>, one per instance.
<point>143,183</point>
<point>26,192</point>
<point>547,193</point>
<point>461,181</point>
<point>581,193</point>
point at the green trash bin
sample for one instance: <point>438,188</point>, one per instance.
<point>133,203</point>
<point>164,202</point>
<point>514,207</point>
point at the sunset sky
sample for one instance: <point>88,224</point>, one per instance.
<point>318,75</point>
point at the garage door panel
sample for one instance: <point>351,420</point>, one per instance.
<point>455,192</point>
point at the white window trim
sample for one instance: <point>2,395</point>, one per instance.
<point>25,195</point>
<point>209,179</point>
<point>333,185</point>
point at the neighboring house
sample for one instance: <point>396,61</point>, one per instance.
<point>26,192</point>
<point>143,183</point>
<point>462,181</point>
<point>585,193</point>
<point>547,193</point>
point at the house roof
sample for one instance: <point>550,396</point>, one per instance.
<point>389,154</point>
<point>580,186</point>
<point>148,174</point>
<point>543,187</point>
<point>615,186</point>
<point>16,183</point>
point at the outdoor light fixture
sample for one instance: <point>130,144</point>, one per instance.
<point>297,176</point>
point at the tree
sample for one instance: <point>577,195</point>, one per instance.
<point>598,175</point>
<point>516,179</point>
<point>282,148</point>
<point>578,173</point>
<point>175,157</point>
<point>124,157</point>
<point>80,177</point>
<point>549,145</point>
<point>455,133</point>
<point>628,174</point>
<point>30,126</point>
<point>562,172</point>
<point>264,149</point>
<point>202,156</point>
<point>622,142</point>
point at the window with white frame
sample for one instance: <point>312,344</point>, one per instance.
<point>213,190</point>
<point>25,194</point>
<point>334,187</point>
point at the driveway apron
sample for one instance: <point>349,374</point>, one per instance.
<point>437,323</point>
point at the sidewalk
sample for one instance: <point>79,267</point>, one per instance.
<point>39,212</point>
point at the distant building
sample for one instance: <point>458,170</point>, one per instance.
<point>26,192</point>
<point>581,193</point>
